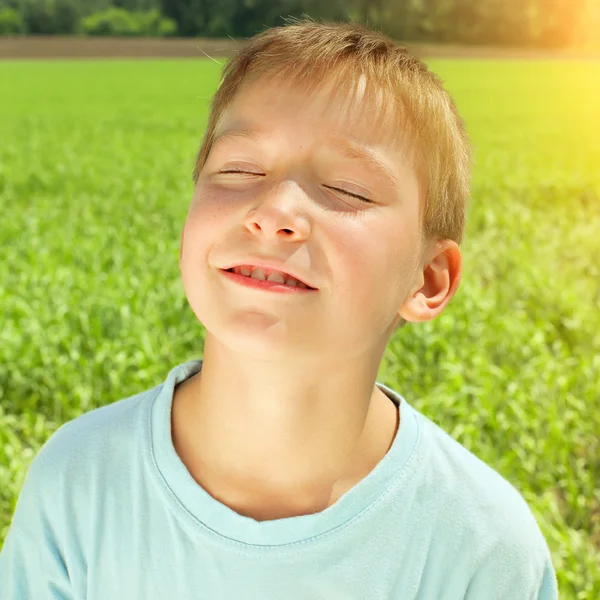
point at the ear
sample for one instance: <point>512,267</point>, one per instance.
<point>437,282</point>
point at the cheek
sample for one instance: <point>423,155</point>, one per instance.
<point>380,257</point>
<point>211,207</point>
<point>207,226</point>
<point>193,240</point>
<point>352,251</point>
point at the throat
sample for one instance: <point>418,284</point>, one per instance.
<point>250,497</point>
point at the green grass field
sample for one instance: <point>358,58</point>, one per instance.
<point>95,180</point>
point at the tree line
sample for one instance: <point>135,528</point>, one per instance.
<point>536,23</point>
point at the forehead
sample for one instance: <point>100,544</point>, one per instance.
<point>356,109</point>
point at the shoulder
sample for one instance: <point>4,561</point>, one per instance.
<point>79,464</point>
<point>464,476</point>
<point>97,437</point>
<point>484,511</point>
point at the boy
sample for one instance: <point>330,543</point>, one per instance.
<point>328,210</point>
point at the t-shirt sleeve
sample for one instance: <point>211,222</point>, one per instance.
<point>501,578</point>
<point>548,587</point>
<point>32,564</point>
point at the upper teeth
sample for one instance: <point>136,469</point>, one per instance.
<point>258,273</point>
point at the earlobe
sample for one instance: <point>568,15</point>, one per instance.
<point>440,279</point>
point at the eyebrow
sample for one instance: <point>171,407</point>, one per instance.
<point>362,152</point>
<point>347,149</point>
<point>248,134</point>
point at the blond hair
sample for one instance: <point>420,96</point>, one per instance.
<point>308,51</point>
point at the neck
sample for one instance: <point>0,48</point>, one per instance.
<point>303,433</point>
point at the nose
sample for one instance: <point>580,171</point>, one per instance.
<point>281,211</point>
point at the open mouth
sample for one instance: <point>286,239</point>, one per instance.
<point>288,280</point>
<point>289,284</point>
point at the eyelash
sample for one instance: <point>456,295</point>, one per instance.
<point>240,171</point>
<point>327,186</point>
<point>349,194</point>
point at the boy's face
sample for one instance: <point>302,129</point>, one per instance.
<point>298,155</point>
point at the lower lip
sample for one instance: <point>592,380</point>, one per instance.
<point>260,284</point>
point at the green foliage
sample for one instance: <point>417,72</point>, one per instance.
<point>152,23</point>
<point>545,23</point>
<point>541,23</point>
<point>113,21</point>
<point>244,18</point>
<point>120,22</point>
<point>536,23</point>
<point>194,16</point>
<point>136,5</point>
<point>95,183</point>
<point>11,22</point>
<point>51,16</point>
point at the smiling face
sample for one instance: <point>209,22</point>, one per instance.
<point>323,183</point>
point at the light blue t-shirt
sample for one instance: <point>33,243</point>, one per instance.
<point>109,512</point>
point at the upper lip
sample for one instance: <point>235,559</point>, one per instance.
<point>271,265</point>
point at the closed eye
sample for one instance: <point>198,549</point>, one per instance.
<point>241,172</point>
<point>349,193</point>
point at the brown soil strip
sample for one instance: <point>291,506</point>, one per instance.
<point>50,47</point>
